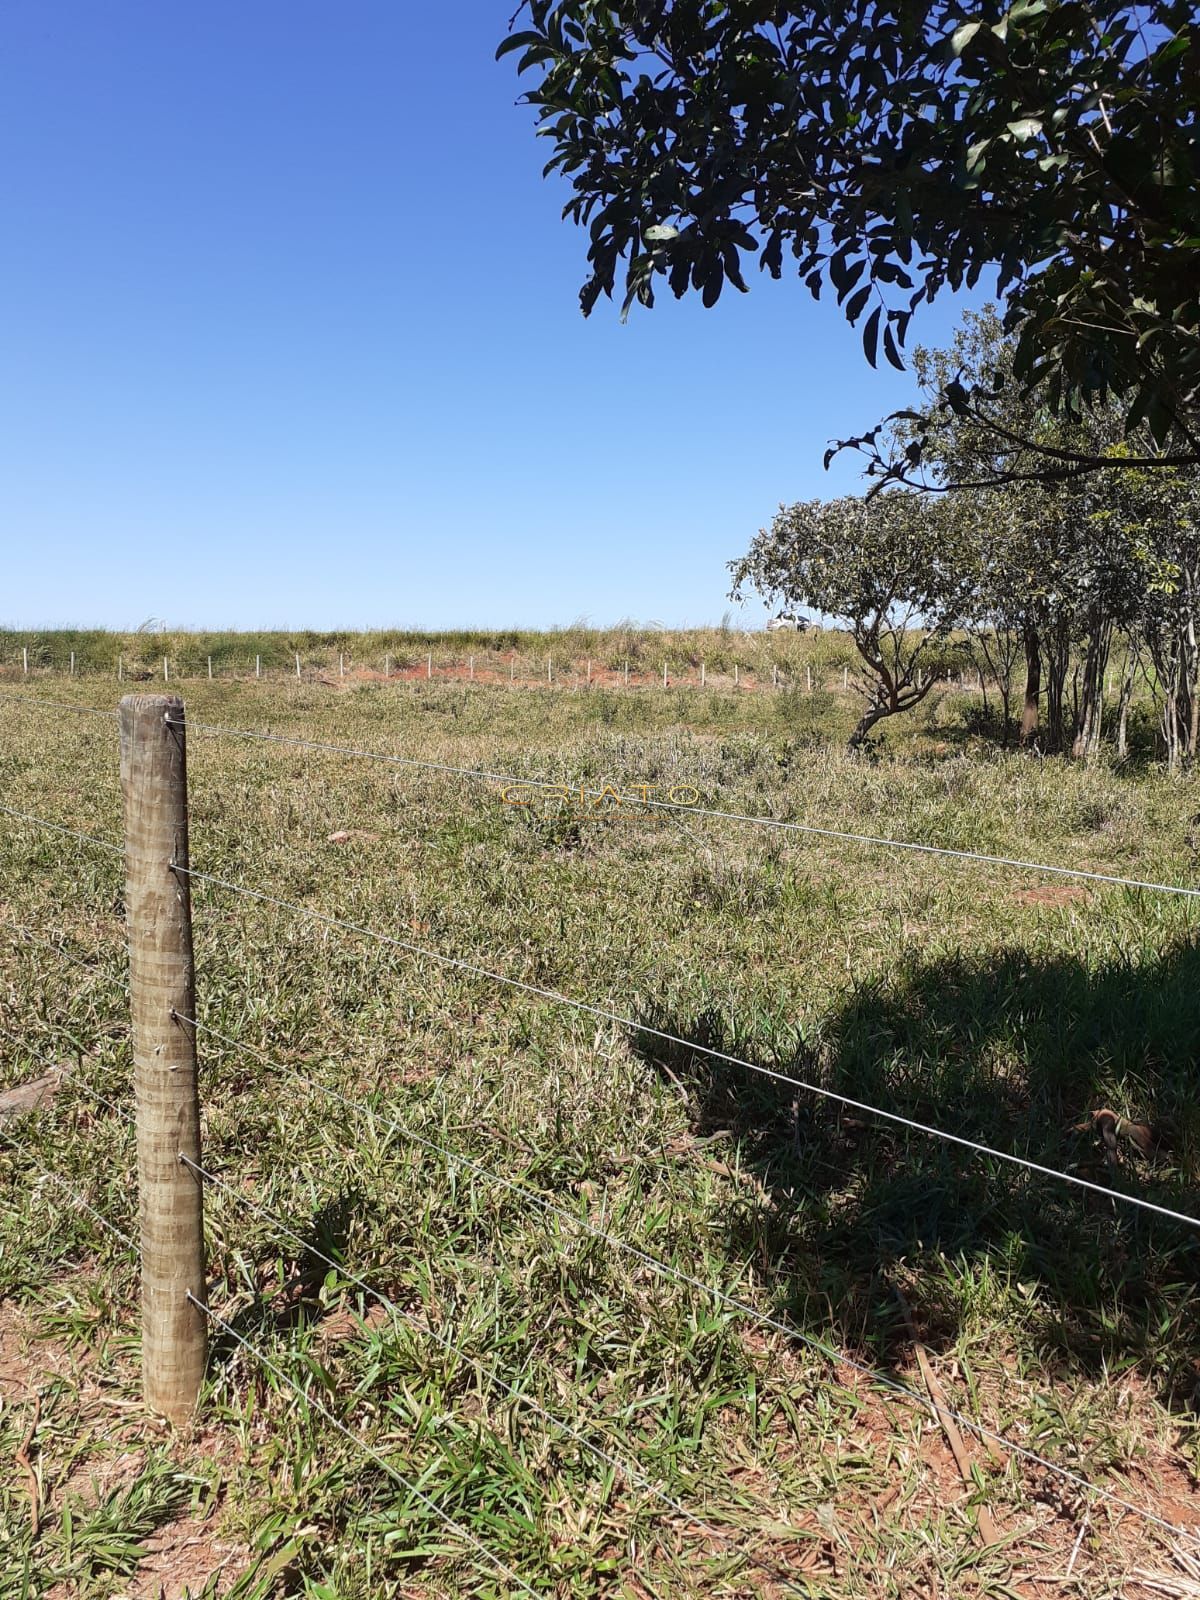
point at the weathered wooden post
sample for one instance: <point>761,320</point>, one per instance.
<point>120,669</point>
<point>258,666</point>
<point>25,659</point>
<point>735,674</point>
<point>702,674</point>
<point>627,672</point>
<point>162,990</point>
<point>429,665</point>
<point>72,672</point>
<point>808,677</point>
<point>166,671</point>
<point>549,670</point>
<point>297,666</point>
<point>210,669</point>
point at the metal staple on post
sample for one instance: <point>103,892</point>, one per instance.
<point>162,990</point>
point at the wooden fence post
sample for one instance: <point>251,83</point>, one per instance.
<point>162,989</point>
<point>735,674</point>
<point>258,666</point>
<point>72,663</point>
<point>429,665</point>
<point>25,659</point>
<point>120,669</point>
<point>210,669</point>
<point>297,666</point>
<point>702,674</point>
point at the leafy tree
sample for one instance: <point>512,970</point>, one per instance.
<point>889,149</point>
<point>878,568</point>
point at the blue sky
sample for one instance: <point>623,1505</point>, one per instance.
<point>291,338</point>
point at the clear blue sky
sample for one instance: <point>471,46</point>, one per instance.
<point>291,338</point>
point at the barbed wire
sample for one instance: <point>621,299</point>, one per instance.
<point>841,835</point>
<point>623,1468</point>
<point>674,1274</point>
<point>393,1472</point>
<point>834,1096</point>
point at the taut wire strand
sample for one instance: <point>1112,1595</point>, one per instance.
<point>519,1396</point>
<point>741,1307</point>
<point>540,992</point>
<point>393,1472</point>
<point>878,841</point>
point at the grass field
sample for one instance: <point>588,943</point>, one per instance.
<point>993,1002</point>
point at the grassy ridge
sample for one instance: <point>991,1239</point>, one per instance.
<point>97,651</point>
<point>994,1003</point>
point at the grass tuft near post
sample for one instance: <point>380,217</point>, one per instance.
<point>162,989</point>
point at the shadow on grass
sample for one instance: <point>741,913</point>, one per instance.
<point>291,1277</point>
<point>1010,1050</point>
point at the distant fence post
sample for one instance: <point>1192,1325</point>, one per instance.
<point>25,659</point>
<point>258,666</point>
<point>162,989</point>
<point>808,678</point>
<point>210,669</point>
<point>297,666</point>
<point>549,670</point>
<point>735,674</point>
<point>166,670</point>
<point>120,669</point>
<point>72,663</point>
<point>702,674</point>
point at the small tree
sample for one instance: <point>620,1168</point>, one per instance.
<point>879,568</point>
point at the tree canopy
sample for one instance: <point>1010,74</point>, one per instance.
<point>888,149</point>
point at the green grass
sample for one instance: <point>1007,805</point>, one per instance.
<point>988,1001</point>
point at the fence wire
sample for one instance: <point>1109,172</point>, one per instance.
<point>879,841</point>
<point>632,1025</point>
<point>393,1472</point>
<point>663,1269</point>
<point>624,1469</point>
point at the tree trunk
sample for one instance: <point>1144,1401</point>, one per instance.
<point>1124,702</point>
<point>1089,716</point>
<point>1033,686</point>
